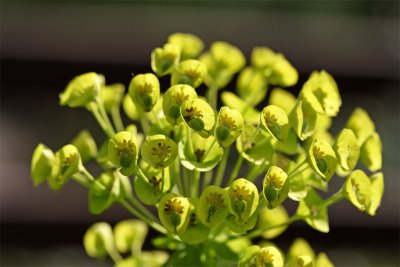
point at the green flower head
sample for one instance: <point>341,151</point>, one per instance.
<point>275,187</point>
<point>82,90</point>
<point>191,72</point>
<point>371,153</point>
<point>377,188</point>
<point>173,99</point>
<point>229,126</point>
<point>67,162</point>
<point>249,113</point>
<point>269,256</point>
<point>164,59</point>
<point>274,120</point>
<point>159,151</point>
<point>243,199</point>
<point>123,152</point>
<point>144,90</point>
<point>212,207</point>
<point>42,162</point>
<point>99,240</point>
<point>189,44</point>
<point>347,149</point>
<point>361,124</point>
<point>252,86</point>
<point>303,120</point>
<point>174,211</point>
<point>198,115</point>
<point>322,159</point>
<point>322,93</point>
<point>130,235</point>
<point>227,57</point>
<point>111,95</point>
<point>358,190</point>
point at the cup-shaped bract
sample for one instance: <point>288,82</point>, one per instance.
<point>322,93</point>
<point>159,151</point>
<point>269,256</point>
<point>275,186</point>
<point>41,164</point>
<point>303,120</point>
<point>313,211</point>
<point>371,153</point>
<point>212,207</point>
<point>377,188</point>
<point>275,66</point>
<point>104,191</point>
<point>249,256</point>
<point>358,190</point>
<point>196,232</point>
<point>361,124</point>
<point>198,153</point>
<point>86,145</point>
<point>191,72</point>
<point>251,86</point>
<point>255,145</point>
<point>249,113</point>
<point>229,126</point>
<point>275,121</point>
<point>99,240</point>
<point>130,108</point>
<point>198,115</point>
<point>111,96</point>
<point>144,89</point>
<point>82,90</point>
<point>130,235</point>
<point>173,99</point>
<point>123,152</point>
<point>271,217</point>
<point>227,57</point>
<point>299,247</point>
<point>283,99</point>
<point>190,45</point>
<point>243,199</point>
<point>174,211</point>
<point>67,162</point>
<point>322,260</point>
<point>164,59</point>
<point>347,149</point>
<point>304,261</point>
<point>322,158</point>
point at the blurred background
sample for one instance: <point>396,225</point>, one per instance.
<point>44,44</point>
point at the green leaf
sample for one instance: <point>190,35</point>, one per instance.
<point>42,162</point>
<point>322,159</point>
<point>191,72</point>
<point>357,189</point>
<point>347,149</point>
<point>371,153</point>
<point>275,121</point>
<point>144,89</point>
<point>316,215</point>
<point>159,151</point>
<point>99,240</point>
<point>198,153</point>
<point>249,113</point>
<point>212,207</point>
<point>377,188</point>
<point>251,86</point>
<point>270,217</point>
<point>164,59</point>
<point>361,124</point>
<point>86,145</point>
<point>130,235</point>
<point>82,90</point>
<point>190,45</point>
<point>229,126</point>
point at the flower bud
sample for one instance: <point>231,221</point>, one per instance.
<point>229,126</point>
<point>243,199</point>
<point>144,90</point>
<point>189,44</point>
<point>173,99</point>
<point>122,152</point>
<point>371,153</point>
<point>82,90</point>
<point>347,149</point>
<point>191,72</point>
<point>42,162</point>
<point>111,95</point>
<point>164,59</point>
<point>159,151</point>
<point>275,121</point>
<point>212,207</point>
<point>251,86</point>
<point>67,162</point>
<point>275,186</point>
<point>361,124</point>
<point>358,189</point>
<point>173,211</point>
<point>86,145</point>
<point>322,159</point>
<point>198,115</point>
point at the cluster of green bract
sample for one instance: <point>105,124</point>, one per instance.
<point>207,214</point>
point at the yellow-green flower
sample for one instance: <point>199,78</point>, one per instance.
<point>269,256</point>
<point>159,151</point>
<point>164,59</point>
<point>190,45</point>
<point>191,72</point>
<point>303,120</point>
<point>377,188</point>
<point>243,199</point>
<point>130,235</point>
<point>269,217</point>
<point>198,115</point>
<point>361,124</point>
<point>42,162</point>
<point>357,189</point>
<point>123,152</point>
<point>371,153</point>
<point>283,99</point>
<point>144,90</point>
<point>229,126</point>
<point>212,207</point>
<point>347,149</point>
<point>322,159</point>
<point>275,121</point>
<point>99,241</point>
<point>275,186</point>
<point>249,113</point>
<point>174,211</point>
<point>196,232</point>
<point>86,145</point>
<point>251,86</point>
<point>111,96</point>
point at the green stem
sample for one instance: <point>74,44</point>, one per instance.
<point>95,111</point>
<point>299,168</point>
<point>339,195</point>
<point>222,167</point>
<point>116,117</point>
<point>103,113</point>
<point>137,204</point>
<point>143,120</point>
<point>236,169</point>
<point>174,172</point>
<point>186,181</point>
<point>209,148</point>
<point>207,179</point>
<point>84,171</point>
<point>252,137</point>
<point>212,95</point>
<point>196,183</point>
